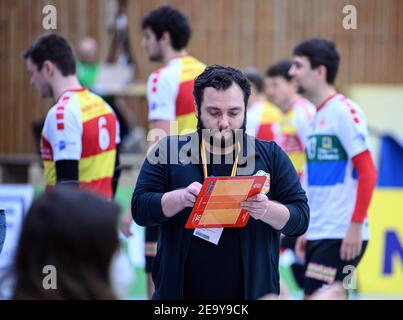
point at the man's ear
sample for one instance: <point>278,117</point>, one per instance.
<point>166,37</point>
<point>196,111</point>
<point>321,70</point>
<point>48,67</point>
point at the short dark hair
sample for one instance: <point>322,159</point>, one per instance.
<point>254,78</point>
<point>74,231</point>
<point>280,69</point>
<point>320,52</point>
<point>220,78</point>
<point>54,48</point>
<point>171,20</point>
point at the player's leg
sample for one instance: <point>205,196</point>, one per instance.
<point>325,270</point>
<point>322,259</point>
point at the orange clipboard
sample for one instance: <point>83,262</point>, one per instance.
<point>218,203</point>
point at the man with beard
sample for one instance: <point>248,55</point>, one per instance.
<point>166,33</point>
<point>341,173</point>
<point>244,262</point>
<point>81,132</point>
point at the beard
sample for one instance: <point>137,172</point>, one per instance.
<point>301,90</point>
<point>47,92</point>
<point>156,56</point>
<point>227,138</point>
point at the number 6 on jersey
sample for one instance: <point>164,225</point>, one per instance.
<point>103,136</point>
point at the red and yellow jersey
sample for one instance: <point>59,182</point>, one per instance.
<point>170,93</point>
<point>83,127</point>
<point>261,118</point>
<point>291,132</point>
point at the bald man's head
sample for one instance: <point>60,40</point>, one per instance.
<point>87,50</point>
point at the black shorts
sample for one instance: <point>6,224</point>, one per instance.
<point>151,239</point>
<point>323,265</point>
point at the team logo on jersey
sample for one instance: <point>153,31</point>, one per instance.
<point>327,143</point>
<point>154,106</point>
<point>325,148</point>
<point>65,144</point>
<point>360,138</point>
<point>266,186</point>
<point>62,145</point>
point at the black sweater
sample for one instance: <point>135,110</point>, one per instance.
<point>260,243</point>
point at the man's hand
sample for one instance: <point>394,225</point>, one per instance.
<point>300,247</point>
<point>189,195</point>
<point>271,212</point>
<point>175,201</point>
<point>352,242</point>
<point>126,223</point>
<point>257,206</point>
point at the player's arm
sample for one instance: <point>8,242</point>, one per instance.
<point>161,97</point>
<point>352,242</point>
<point>67,172</point>
<point>64,131</point>
<point>354,139</point>
<point>117,171</point>
<point>367,176</point>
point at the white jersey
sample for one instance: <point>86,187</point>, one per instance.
<point>304,113</point>
<point>338,133</point>
<point>170,93</point>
